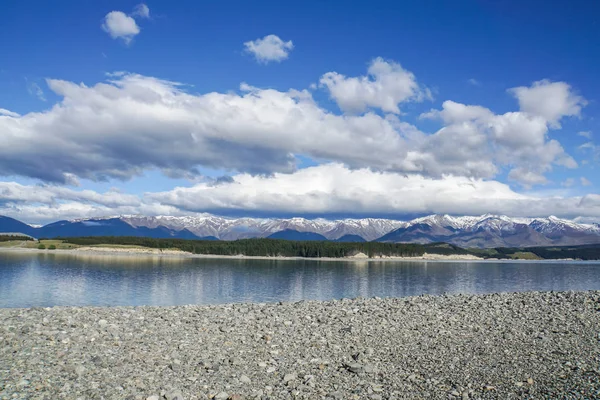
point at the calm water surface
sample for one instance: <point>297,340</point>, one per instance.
<point>28,280</point>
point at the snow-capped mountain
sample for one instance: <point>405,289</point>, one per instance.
<point>470,231</point>
<point>495,231</point>
<point>465,231</point>
<point>242,228</point>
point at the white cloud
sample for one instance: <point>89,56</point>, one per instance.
<point>49,194</point>
<point>474,82</point>
<point>141,10</point>
<point>270,48</point>
<point>592,148</point>
<point>515,139</point>
<point>585,134</point>
<point>323,189</point>
<point>8,113</point>
<point>584,181</point>
<point>120,128</point>
<point>120,26</point>
<point>568,182</point>
<point>386,85</point>
<point>35,90</point>
<point>549,100</point>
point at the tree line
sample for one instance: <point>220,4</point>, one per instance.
<point>8,238</point>
<point>274,247</point>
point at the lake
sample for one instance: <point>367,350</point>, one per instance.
<point>47,279</point>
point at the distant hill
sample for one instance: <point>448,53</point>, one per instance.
<point>351,239</point>
<point>94,227</point>
<point>11,225</point>
<point>290,234</point>
<point>486,231</point>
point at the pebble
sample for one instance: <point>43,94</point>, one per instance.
<point>221,396</point>
<point>463,347</point>
<point>174,395</point>
<point>290,377</point>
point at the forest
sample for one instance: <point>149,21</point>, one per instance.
<point>275,247</point>
<point>10,238</point>
<point>316,249</point>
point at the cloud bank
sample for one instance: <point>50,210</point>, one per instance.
<point>131,123</point>
<point>324,189</point>
<point>370,160</point>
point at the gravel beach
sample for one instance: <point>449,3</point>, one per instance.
<point>525,345</point>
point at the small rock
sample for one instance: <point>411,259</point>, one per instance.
<point>289,377</point>
<point>79,370</point>
<point>153,397</point>
<point>221,396</point>
<point>369,369</point>
<point>174,395</point>
<point>530,381</point>
<point>245,379</point>
<point>355,368</point>
<point>176,365</point>
<point>23,382</point>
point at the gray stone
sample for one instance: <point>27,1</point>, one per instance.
<point>221,396</point>
<point>174,395</point>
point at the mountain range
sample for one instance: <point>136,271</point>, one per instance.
<point>483,231</point>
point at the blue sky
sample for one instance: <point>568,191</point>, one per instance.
<point>528,153</point>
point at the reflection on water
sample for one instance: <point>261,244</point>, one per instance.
<point>57,279</point>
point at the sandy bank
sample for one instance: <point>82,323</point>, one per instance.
<point>177,253</point>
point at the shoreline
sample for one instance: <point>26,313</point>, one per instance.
<point>152,252</point>
<point>505,345</point>
<point>110,251</point>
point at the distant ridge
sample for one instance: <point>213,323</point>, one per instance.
<point>290,234</point>
<point>351,239</point>
<point>468,231</point>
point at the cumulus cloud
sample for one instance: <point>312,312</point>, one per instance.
<point>386,85</point>
<point>518,139</point>
<point>549,100</point>
<point>120,26</point>
<point>324,189</point>
<point>118,129</point>
<point>270,48</point>
<point>585,134</point>
<point>141,10</point>
<point>584,181</point>
<point>131,123</point>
